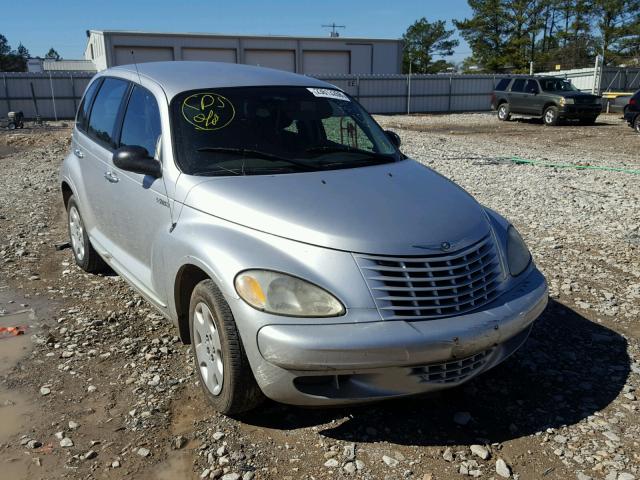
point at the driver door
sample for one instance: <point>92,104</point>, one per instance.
<point>144,215</point>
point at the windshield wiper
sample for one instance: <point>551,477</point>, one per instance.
<point>335,149</point>
<point>246,152</point>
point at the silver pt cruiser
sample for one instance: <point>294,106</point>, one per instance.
<point>298,251</point>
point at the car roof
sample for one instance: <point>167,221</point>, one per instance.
<point>179,76</point>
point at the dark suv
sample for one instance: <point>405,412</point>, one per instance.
<point>632,112</point>
<point>551,98</point>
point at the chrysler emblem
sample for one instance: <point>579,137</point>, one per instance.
<point>444,246</point>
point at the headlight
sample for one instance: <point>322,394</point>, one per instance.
<point>518,254</point>
<point>282,294</point>
<point>566,101</point>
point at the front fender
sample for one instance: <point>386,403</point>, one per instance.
<point>223,249</point>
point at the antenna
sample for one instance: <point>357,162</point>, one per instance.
<point>333,26</point>
<point>135,64</point>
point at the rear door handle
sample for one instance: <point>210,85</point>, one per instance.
<point>78,153</point>
<point>111,177</point>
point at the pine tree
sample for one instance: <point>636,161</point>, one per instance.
<point>424,40</point>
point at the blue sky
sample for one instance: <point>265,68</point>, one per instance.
<point>61,24</point>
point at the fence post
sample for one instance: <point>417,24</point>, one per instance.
<point>73,93</point>
<point>6,93</point>
<point>598,71</point>
<point>409,92</point>
<point>358,88</point>
<point>450,91</point>
<point>53,98</point>
<point>35,102</point>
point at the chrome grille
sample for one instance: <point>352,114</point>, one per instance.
<point>453,371</point>
<point>440,285</point>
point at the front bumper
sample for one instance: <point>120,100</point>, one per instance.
<point>580,111</point>
<point>339,363</point>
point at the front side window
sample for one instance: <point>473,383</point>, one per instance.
<point>83,111</point>
<point>102,123</point>
<point>557,85</point>
<point>141,125</point>
<point>265,130</point>
<point>532,86</point>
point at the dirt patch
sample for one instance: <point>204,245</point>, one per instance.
<point>122,388</point>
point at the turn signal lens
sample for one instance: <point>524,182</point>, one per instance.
<point>518,255</point>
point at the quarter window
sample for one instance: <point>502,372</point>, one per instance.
<point>518,85</point>
<point>141,125</point>
<point>502,84</point>
<point>102,123</point>
<point>83,111</point>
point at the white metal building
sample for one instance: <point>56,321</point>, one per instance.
<point>308,55</point>
<point>49,65</point>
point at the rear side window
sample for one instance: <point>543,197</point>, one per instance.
<point>141,125</point>
<point>502,84</point>
<point>83,111</point>
<point>102,123</point>
<point>518,85</point>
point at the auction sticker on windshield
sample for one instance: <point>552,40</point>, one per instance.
<point>328,93</point>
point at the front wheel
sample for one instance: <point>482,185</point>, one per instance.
<point>504,113</point>
<point>219,357</point>
<point>550,116</point>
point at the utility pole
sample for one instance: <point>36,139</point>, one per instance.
<point>333,27</point>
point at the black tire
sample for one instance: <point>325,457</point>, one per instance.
<point>588,120</point>
<point>636,124</point>
<point>550,116</point>
<point>504,112</point>
<point>21,125</point>
<point>11,126</point>
<point>239,392</point>
<point>87,258</point>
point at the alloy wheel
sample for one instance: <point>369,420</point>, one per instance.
<point>76,231</point>
<point>549,116</point>
<point>208,348</point>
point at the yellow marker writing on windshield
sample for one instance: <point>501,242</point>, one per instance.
<point>208,111</point>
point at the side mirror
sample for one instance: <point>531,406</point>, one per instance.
<point>393,137</point>
<point>137,160</point>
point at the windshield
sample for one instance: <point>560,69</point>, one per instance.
<point>557,85</point>
<point>265,130</point>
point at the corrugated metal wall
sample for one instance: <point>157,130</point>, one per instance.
<point>54,95</point>
<point>614,79</point>
<point>418,93</point>
<point>377,93</point>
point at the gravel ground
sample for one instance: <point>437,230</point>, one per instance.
<point>104,389</point>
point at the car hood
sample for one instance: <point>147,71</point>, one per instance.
<point>581,95</point>
<point>400,208</point>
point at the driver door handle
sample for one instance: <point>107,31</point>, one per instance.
<point>78,153</point>
<point>111,177</point>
